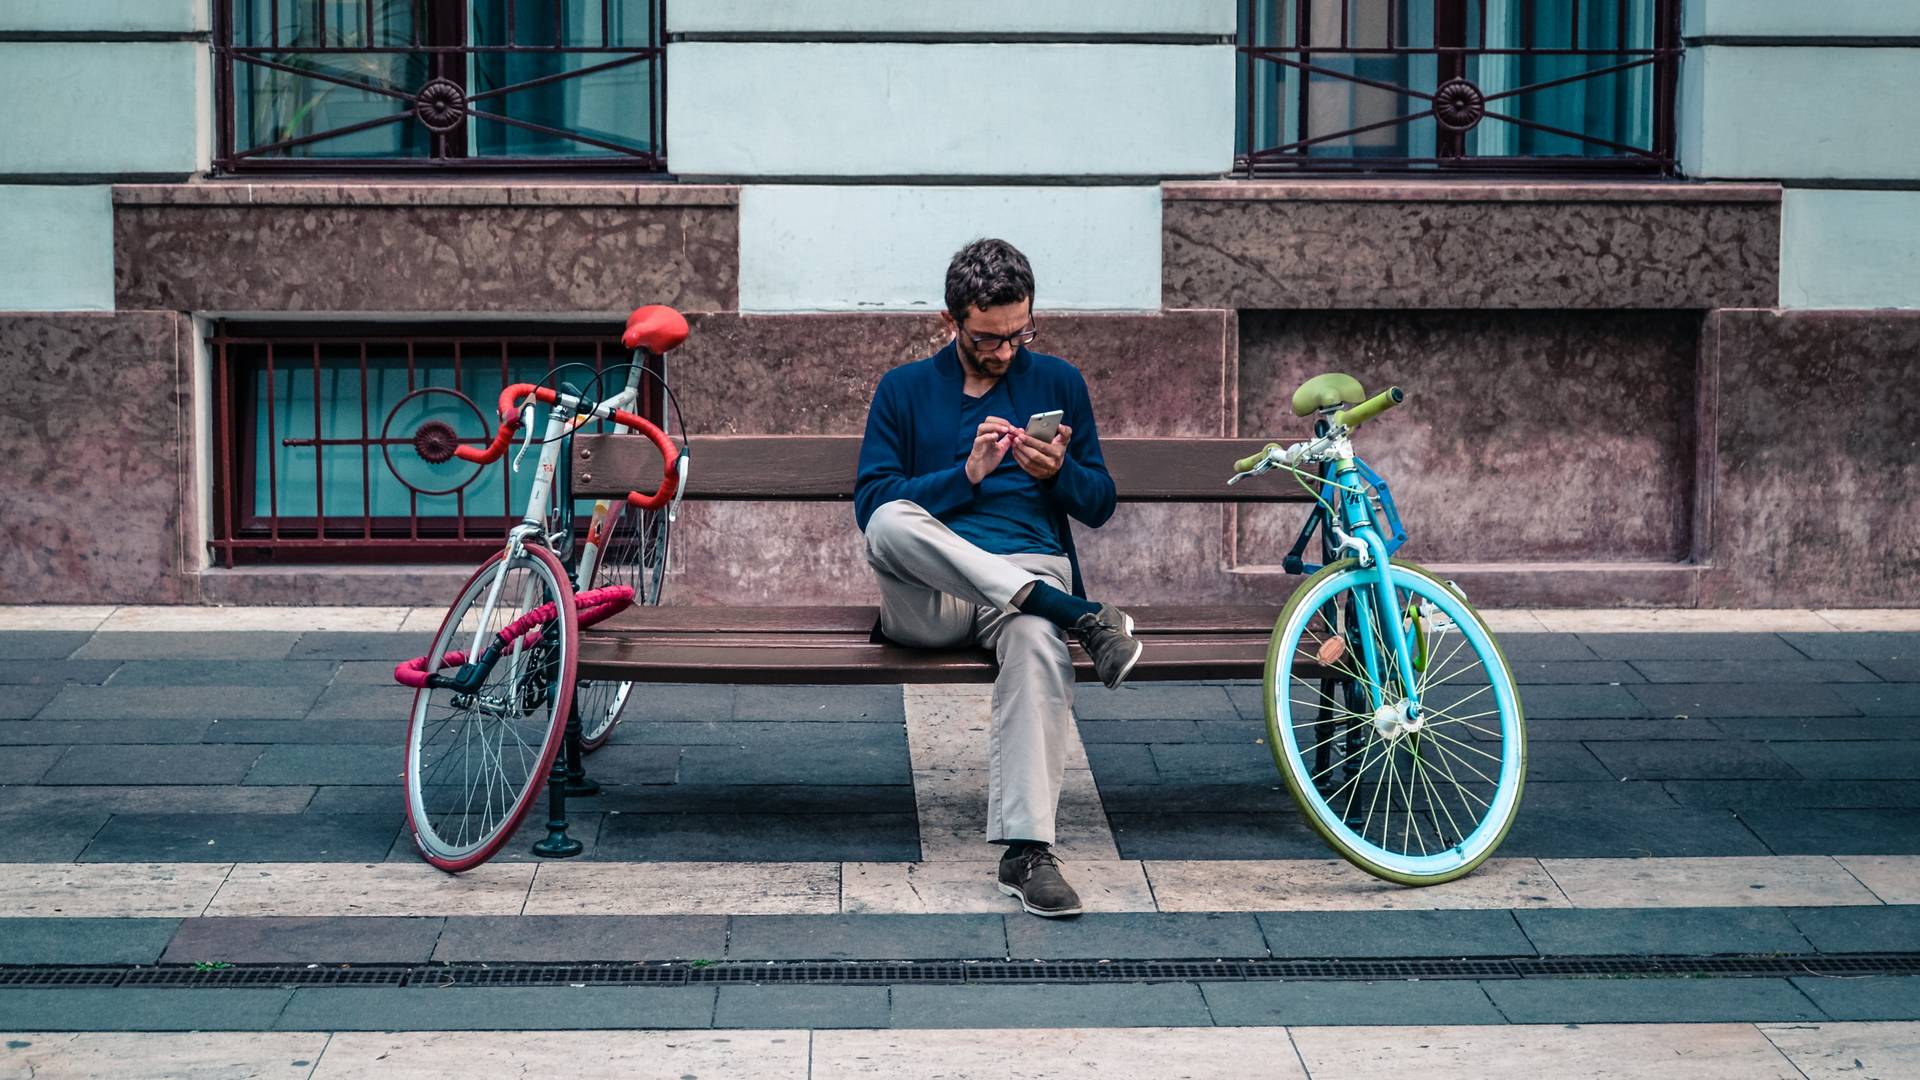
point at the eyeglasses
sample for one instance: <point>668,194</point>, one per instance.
<point>988,343</point>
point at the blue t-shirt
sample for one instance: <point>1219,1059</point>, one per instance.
<point>1010,515</point>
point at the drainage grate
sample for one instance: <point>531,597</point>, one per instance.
<point>1107,971</point>
<point>232,977</point>
<point>35,976</point>
<point>1380,970</point>
<point>550,975</point>
<point>1735,966</point>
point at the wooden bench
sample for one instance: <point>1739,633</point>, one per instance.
<point>795,645</point>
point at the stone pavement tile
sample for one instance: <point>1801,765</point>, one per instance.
<point>1834,793</point>
<point>200,1055</point>
<point>811,1007</point>
<point>67,891</point>
<point>309,732</point>
<point>1882,699</point>
<point>358,701</point>
<point>851,758</point>
<point>391,889</point>
<point>1820,728</point>
<point>878,704</point>
<point>16,672</point>
<point>165,1008</point>
<point>1140,936</point>
<point>180,703</point>
<point>198,645</point>
<point>1525,647</point>
<point>1765,881</point>
<point>1049,1006</point>
<point>359,645</point>
<point>1839,1051</point>
<point>1576,1052</point>
<point>34,838</point>
<point>462,1008</point>
<point>952,809</point>
<point>684,703</point>
<point>959,887</point>
<point>1870,620</point>
<point>1894,997</point>
<point>25,702</point>
<point>1215,836</point>
<point>99,732</point>
<point>1895,671</point>
<point>1557,761</point>
<point>26,764</point>
<point>1229,731</point>
<point>1263,1003</point>
<point>948,728</point>
<point>238,837</point>
<point>156,799</point>
<point>1390,934</point>
<point>153,765</point>
<point>210,672</point>
<point>759,837</point>
<point>581,938</point>
<point>590,1055</point>
<point>1617,832</point>
<point>1662,932</point>
<point>1874,645</point>
<point>1571,672</point>
<point>1212,763</point>
<point>1895,879</point>
<point>50,644</point>
<point>1149,702</point>
<point>1268,797</point>
<point>361,672</point>
<point>684,888</point>
<point>1331,885</point>
<point>1891,760</point>
<point>298,619</point>
<point>625,796</point>
<point>84,941</point>
<point>1746,699</point>
<point>330,764</point>
<point>1214,1053</point>
<point>615,764</point>
<point>581,825</point>
<point>1641,1001</point>
<point>1591,794</point>
<point>866,937</point>
<point>1810,831</point>
<point>725,732</point>
<point>1580,703</point>
<point>1666,760</point>
<point>1894,928</point>
<point>1691,646</point>
<point>1753,671</point>
<point>325,939</point>
<point>1141,731</point>
<point>358,799</point>
<point>1122,763</point>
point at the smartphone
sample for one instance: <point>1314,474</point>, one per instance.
<point>1044,425</point>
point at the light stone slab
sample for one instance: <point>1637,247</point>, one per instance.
<point>1327,885</point>
<point>1737,881</point>
<point>201,1055</point>
<point>1564,1052</point>
<point>1058,1053</point>
<point>1512,621</point>
<point>948,727</point>
<point>686,888</point>
<point>1896,620</point>
<point>53,616</point>
<point>372,889</point>
<point>1885,1051</point>
<point>1895,879</point>
<point>1681,620</point>
<point>297,619</point>
<point>588,1055</point>
<point>109,890</point>
<point>952,808</point>
<point>422,620</point>
<point>948,888</point>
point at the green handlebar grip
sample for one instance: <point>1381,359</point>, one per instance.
<point>1251,460</point>
<point>1370,408</point>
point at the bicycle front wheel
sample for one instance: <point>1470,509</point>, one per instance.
<point>635,554</point>
<point>477,760</point>
<point>1416,800</point>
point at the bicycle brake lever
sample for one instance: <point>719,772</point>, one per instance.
<point>526,443</point>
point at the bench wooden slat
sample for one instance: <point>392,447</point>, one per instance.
<point>1150,620</point>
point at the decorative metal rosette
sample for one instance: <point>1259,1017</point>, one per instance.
<point>1458,105</point>
<point>421,432</point>
<point>441,105</point>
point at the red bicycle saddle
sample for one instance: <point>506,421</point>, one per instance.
<point>655,328</point>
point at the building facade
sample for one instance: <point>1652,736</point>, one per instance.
<point>1648,269</point>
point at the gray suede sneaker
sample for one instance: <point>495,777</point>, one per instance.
<point>1107,635</point>
<point>1034,877</point>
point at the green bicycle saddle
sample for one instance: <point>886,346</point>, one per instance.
<point>1325,392</point>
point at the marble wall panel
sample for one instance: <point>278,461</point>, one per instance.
<point>97,430</point>
<point>1469,246</point>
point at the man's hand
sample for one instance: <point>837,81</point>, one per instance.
<point>990,442</point>
<point>1041,459</point>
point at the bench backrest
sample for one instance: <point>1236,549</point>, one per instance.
<point>820,468</point>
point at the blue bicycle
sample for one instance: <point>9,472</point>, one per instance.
<point>1391,712</point>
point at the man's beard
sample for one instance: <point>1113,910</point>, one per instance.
<point>973,362</point>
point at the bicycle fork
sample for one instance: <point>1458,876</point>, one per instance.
<point>1379,619</point>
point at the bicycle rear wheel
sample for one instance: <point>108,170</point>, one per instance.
<point>634,553</point>
<point>476,761</point>
<point>1419,804</point>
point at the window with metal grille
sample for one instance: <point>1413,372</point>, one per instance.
<point>1499,85</point>
<point>479,83</point>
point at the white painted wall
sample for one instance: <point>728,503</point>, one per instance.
<point>980,17</point>
<point>900,110</point>
<point>1800,113</point>
<point>1850,249</point>
<point>131,107</point>
<point>114,16</point>
<point>886,248</point>
<point>1799,18</point>
<point>57,246</point>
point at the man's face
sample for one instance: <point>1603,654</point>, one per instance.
<point>1001,321</point>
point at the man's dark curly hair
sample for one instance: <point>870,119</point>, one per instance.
<point>987,273</point>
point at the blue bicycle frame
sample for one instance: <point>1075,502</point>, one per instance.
<point>1349,482</point>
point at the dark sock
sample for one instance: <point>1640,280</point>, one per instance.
<point>1017,848</point>
<point>1062,609</point>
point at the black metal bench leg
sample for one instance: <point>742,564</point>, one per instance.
<point>558,845</point>
<point>577,782</point>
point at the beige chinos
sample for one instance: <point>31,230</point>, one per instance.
<point>938,590</point>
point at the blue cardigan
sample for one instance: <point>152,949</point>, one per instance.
<point>907,452</point>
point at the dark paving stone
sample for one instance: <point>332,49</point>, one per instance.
<point>332,1008</point>
<point>1362,934</point>
<point>205,672</point>
<point>866,937</point>
<point>1122,764</point>
<point>1249,700</point>
<point>1809,831</point>
<point>1879,998</point>
<point>41,644</point>
<point>186,645</point>
<point>1661,931</point>
<point>1212,763</point>
<point>1554,761</point>
<point>1753,671</point>
<point>364,799</point>
<point>808,1007</point>
<point>1644,795</point>
<point>1215,836</point>
<point>1744,699</point>
<point>1878,645</point>
<point>1688,646</point>
<point>633,765</point>
<point>1571,672</point>
<point>1268,798</point>
<point>1892,760</point>
<point>689,703</point>
<point>359,645</point>
<point>581,938</point>
<point>1820,728</point>
<point>1614,832</point>
<point>301,940</point>
<point>1266,1004</point>
<point>879,704</point>
<point>1138,936</point>
<point>26,702</point>
<point>1895,671</point>
<point>1232,731</point>
<point>582,825</point>
<point>245,838</point>
<point>26,764</point>
<point>140,1009</point>
<point>180,703</point>
<point>142,799</point>
<point>1518,648</point>
<point>358,701</point>
<point>751,733</point>
<point>325,764</point>
<point>984,1006</point>
<point>1148,702</point>
<point>1882,699</point>
<point>1580,702</point>
<point>1859,928</point>
<point>859,754</point>
<point>1140,731</point>
<point>85,941</point>
<point>1554,730</point>
<point>1648,1001</point>
<point>309,732</point>
<point>751,798</point>
<point>153,765</point>
<point>97,732</point>
<point>1785,793</point>
<point>15,672</point>
<point>760,837</point>
<point>38,838</point>
<point>1722,760</point>
<point>364,672</point>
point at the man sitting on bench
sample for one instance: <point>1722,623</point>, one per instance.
<point>965,516</point>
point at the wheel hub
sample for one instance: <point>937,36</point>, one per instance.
<point>1402,717</point>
